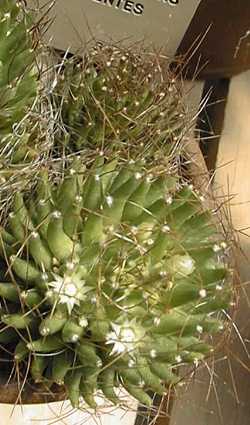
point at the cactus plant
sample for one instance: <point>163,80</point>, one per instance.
<point>24,121</point>
<point>118,95</point>
<point>117,273</point>
<point>112,267</point>
<point>18,77</point>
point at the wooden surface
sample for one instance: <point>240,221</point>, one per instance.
<point>211,119</point>
<point>220,395</point>
<point>13,393</point>
<point>219,35</point>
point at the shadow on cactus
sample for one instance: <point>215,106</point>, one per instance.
<point>113,277</point>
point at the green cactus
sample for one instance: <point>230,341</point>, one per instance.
<point>18,80</point>
<point>113,271</point>
<point>123,297</point>
<point>25,139</point>
<point>116,100</point>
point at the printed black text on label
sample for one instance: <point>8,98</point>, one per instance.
<point>131,6</point>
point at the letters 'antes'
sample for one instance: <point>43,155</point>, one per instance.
<point>161,23</point>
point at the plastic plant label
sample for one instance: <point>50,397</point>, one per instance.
<point>159,23</point>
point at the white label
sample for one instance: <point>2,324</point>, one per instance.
<point>159,23</point>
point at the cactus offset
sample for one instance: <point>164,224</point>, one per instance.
<point>25,140</point>
<point>116,100</point>
<point>18,77</point>
<point>126,294</point>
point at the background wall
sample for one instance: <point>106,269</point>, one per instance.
<point>220,395</point>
